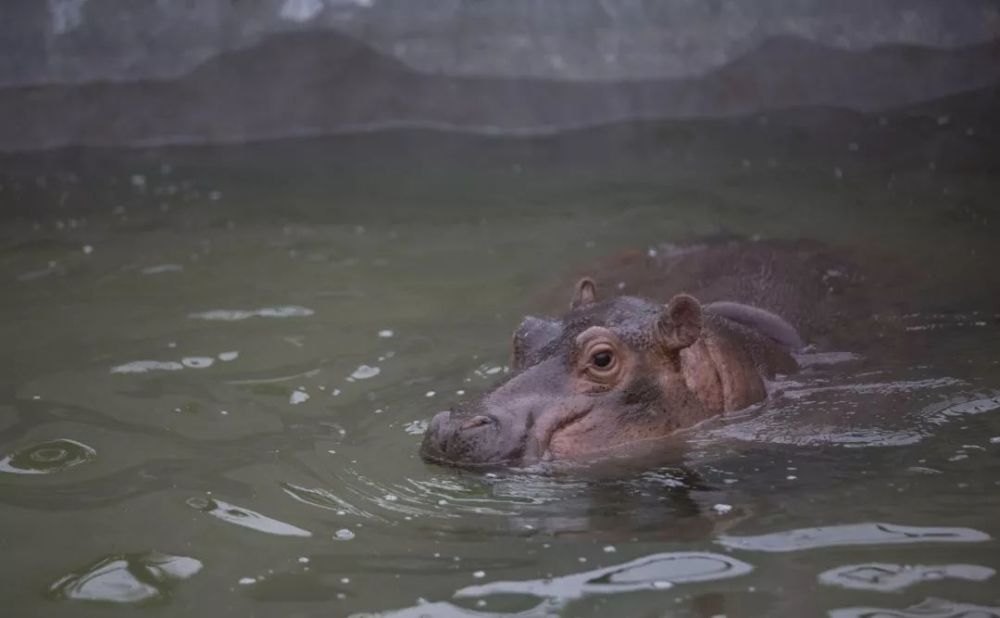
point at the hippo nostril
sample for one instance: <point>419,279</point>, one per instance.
<point>476,421</point>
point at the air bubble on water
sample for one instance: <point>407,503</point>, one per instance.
<point>198,362</point>
<point>943,120</point>
<point>335,392</point>
<point>429,394</point>
<point>610,549</point>
<point>791,477</point>
<point>343,535</point>
<point>995,440</point>
<point>223,412</point>
<point>228,356</point>
<point>147,365</point>
<point>88,249</point>
<point>662,585</point>
<point>581,559</point>
<point>391,497</point>
<point>365,372</point>
<point>385,333</point>
<point>460,392</point>
<point>722,509</point>
<point>298,397</point>
<point>479,574</point>
<point>246,581</point>
<point>416,428</point>
<point>345,580</point>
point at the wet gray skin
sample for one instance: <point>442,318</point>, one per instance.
<point>617,373</point>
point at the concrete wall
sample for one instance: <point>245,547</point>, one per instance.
<point>681,57</point>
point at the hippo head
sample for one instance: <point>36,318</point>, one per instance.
<point>606,375</point>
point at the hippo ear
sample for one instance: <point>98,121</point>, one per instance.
<point>586,293</point>
<point>679,324</point>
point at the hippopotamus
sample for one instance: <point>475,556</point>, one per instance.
<point>616,373</point>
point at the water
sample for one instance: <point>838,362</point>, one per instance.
<point>218,364</point>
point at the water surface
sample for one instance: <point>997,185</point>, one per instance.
<point>218,363</point>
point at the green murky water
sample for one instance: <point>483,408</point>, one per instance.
<point>217,364</point>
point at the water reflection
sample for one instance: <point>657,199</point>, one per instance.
<point>47,457</point>
<point>245,517</point>
<point>851,534</point>
<point>883,577</point>
<point>649,573</point>
<point>931,608</point>
<point>126,578</point>
<point>655,572</point>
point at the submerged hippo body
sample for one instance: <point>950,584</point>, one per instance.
<point>616,373</point>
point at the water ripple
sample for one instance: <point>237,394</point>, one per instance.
<point>47,457</point>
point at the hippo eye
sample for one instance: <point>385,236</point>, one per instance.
<point>476,421</point>
<point>602,364</point>
<point>602,359</point>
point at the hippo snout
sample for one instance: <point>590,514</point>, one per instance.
<point>472,436</point>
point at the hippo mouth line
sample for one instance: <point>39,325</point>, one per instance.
<point>558,427</point>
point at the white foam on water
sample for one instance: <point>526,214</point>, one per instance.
<point>235,315</point>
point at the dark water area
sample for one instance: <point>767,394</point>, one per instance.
<point>218,363</point>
